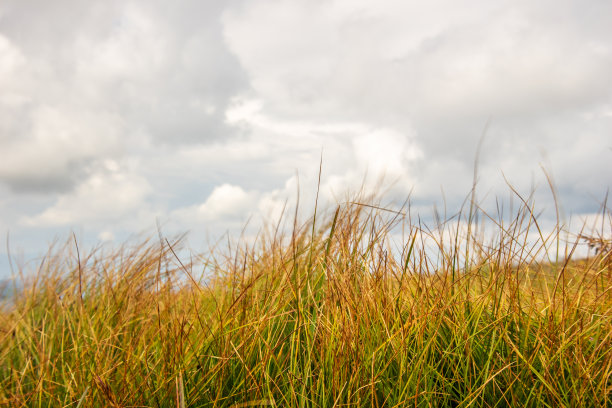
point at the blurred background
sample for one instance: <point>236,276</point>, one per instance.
<point>118,116</point>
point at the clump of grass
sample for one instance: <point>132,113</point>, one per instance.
<point>339,311</point>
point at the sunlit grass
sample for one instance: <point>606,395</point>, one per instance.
<point>339,311</point>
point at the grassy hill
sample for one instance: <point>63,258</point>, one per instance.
<point>334,312</point>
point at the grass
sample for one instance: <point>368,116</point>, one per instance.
<point>339,311</point>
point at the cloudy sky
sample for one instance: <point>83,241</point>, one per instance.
<point>200,114</point>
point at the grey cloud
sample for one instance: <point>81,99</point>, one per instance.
<point>185,97</point>
<point>533,69</point>
<point>59,181</point>
<point>117,109</point>
<point>137,68</point>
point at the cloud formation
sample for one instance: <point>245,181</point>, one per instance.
<point>81,81</point>
<point>200,114</point>
<point>439,73</point>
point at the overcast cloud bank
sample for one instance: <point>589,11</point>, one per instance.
<point>200,114</point>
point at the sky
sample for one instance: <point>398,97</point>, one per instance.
<point>197,116</point>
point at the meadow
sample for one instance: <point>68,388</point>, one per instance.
<point>360,305</point>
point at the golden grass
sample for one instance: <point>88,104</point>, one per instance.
<point>336,312</point>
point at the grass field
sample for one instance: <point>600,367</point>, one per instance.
<point>342,310</point>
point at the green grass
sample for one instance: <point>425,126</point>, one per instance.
<point>336,312</point>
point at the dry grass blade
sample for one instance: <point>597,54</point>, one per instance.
<point>333,312</point>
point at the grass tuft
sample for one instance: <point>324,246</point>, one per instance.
<point>343,310</point>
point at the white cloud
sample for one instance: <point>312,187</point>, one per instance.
<point>106,74</point>
<point>59,145</point>
<point>207,112</point>
<point>439,69</point>
<point>106,236</point>
<point>108,197</point>
<point>133,50</point>
<point>435,73</point>
<point>386,151</point>
<point>225,202</point>
<point>11,59</point>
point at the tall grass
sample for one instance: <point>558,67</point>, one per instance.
<point>343,310</point>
